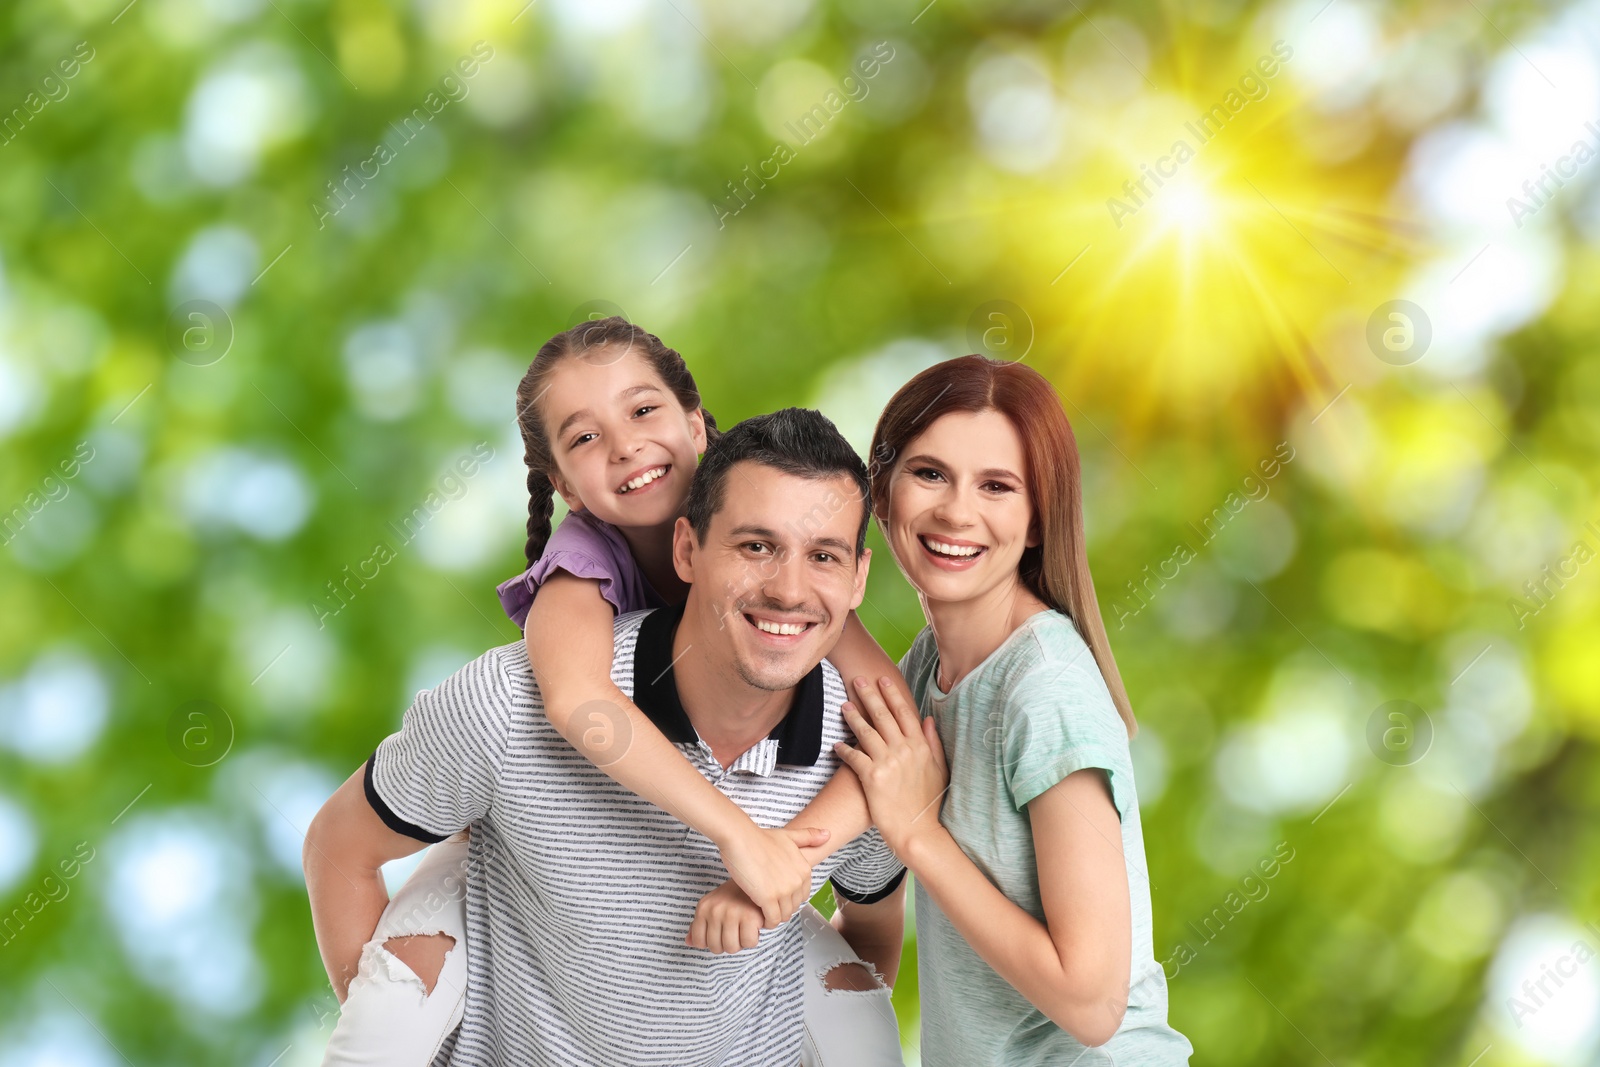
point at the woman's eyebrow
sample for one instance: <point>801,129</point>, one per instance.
<point>988,472</point>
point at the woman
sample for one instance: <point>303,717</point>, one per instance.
<point>1033,905</point>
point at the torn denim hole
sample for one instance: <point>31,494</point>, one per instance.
<point>379,962</point>
<point>855,970</point>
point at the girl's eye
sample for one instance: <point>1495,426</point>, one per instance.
<point>645,410</point>
<point>580,439</point>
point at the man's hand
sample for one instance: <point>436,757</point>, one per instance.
<point>773,868</point>
<point>725,920</point>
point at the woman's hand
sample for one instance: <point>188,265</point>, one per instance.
<point>772,868</point>
<point>900,763</point>
<point>725,920</point>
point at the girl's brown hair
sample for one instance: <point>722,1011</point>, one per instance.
<point>613,337</point>
<point>1057,569</point>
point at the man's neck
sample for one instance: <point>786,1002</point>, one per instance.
<point>727,712</point>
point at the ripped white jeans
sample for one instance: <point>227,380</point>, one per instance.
<point>390,1019</point>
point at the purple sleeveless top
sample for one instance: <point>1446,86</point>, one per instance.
<point>585,547</point>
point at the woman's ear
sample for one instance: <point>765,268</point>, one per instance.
<point>1034,539</point>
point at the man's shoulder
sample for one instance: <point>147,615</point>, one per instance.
<point>833,688</point>
<point>626,625</point>
<point>503,675</point>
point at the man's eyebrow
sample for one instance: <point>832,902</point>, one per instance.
<point>837,544</point>
<point>752,530</point>
<point>631,391</point>
<point>840,546</point>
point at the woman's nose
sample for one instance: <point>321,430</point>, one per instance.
<point>954,509</point>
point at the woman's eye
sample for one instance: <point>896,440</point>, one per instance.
<point>998,487</point>
<point>927,473</point>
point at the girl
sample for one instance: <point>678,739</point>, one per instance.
<point>1033,903</point>
<point>611,419</point>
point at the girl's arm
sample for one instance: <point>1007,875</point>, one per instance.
<point>841,806</point>
<point>569,639</point>
<point>1074,967</point>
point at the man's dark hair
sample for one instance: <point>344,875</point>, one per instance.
<point>795,441</point>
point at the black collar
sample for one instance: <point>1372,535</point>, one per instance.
<point>799,733</point>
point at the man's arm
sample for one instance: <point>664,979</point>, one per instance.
<point>344,849</point>
<point>876,931</point>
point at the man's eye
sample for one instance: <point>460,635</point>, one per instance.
<point>755,546</point>
<point>824,557</point>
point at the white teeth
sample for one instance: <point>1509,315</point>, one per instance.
<point>787,629</point>
<point>644,479</point>
<point>959,551</point>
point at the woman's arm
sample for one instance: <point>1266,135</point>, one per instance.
<point>569,639</point>
<point>1074,967</point>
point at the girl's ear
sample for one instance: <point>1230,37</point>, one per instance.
<point>697,430</point>
<point>564,489</point>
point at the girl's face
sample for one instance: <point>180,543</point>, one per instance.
<point>959,509</point>
<point>625,449</point>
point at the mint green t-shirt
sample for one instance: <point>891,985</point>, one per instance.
<point>1032,713</point>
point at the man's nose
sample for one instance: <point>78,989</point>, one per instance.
<point>784,582</point>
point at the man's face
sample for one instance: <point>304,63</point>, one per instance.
<point>778,575</point>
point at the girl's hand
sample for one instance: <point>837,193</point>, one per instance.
<point>725,920</point>
<point>771,868</point>
<point>900,763</point>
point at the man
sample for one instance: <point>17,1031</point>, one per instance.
<point>579,893</point>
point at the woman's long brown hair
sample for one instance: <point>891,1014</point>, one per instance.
<point>1057,569</point>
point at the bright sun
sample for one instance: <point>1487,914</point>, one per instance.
<point>1209,269</point>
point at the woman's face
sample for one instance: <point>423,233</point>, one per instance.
<point>624,446</point>
<point>959,511</point>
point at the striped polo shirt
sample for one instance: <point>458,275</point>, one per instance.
<point>580,893</point>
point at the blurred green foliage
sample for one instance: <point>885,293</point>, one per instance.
<point>368,309</point>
